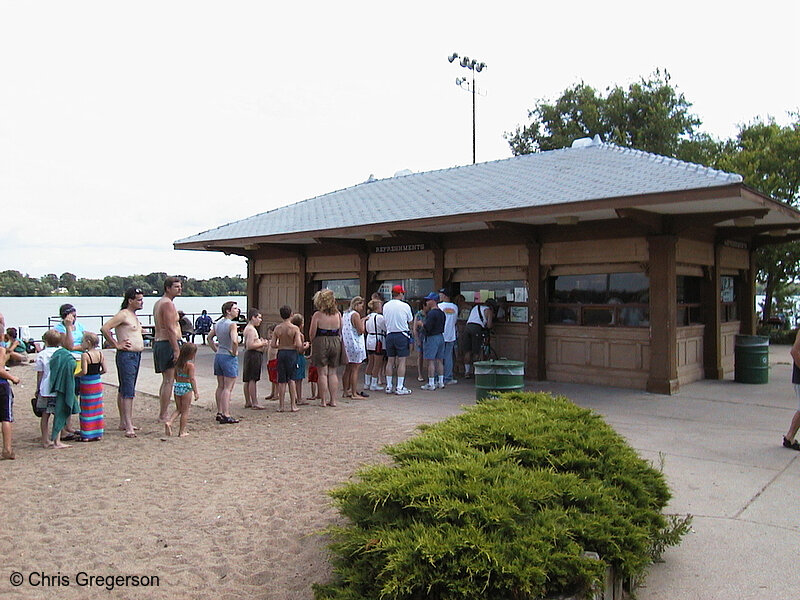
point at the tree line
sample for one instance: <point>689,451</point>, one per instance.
<point>651,115</point>
<point>14,283</point>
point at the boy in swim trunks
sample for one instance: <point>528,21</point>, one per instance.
<point>289,341</point>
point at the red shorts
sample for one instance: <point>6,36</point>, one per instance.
<point>313,374</point>
<point>272,370</point>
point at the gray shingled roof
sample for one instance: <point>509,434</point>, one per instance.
<point>555,177</point>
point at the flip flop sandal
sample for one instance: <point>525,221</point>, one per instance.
<point>792,445</point>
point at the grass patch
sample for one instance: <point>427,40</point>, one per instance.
<point>500,502</point>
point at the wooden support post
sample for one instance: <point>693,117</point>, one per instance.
<point>663,320</point>
<point>536,365</point>
<point>746,299</point>
<point>712,317</point>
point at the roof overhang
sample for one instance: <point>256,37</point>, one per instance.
<point>734,210</point>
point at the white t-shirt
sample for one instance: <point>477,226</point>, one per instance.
<point>474,317</point>
<point>397,315</point>
<point>375,330</point>
<point>450,311</point>
<point>42,366</point>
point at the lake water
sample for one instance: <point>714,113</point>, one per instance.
<point>32,312</point>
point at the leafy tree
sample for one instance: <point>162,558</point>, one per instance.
<point>68,281</point>
<point>650,115</point>
<point>767,156</point>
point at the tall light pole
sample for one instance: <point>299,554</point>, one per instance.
<point>474,66</point>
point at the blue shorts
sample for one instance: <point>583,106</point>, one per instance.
<point>287,365</point>
<point>397,344</point>
<point>225,365</point>
<point>6,401</point>
<point>434,347</point>
<point>300,372</point>
<point>127,372</point>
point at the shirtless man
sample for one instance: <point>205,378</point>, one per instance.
<point>129,345</point>
<point>289,341</point>
<point>254,347</point>
<point>165,346</point>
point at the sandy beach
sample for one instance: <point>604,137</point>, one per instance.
<point>232,511</point>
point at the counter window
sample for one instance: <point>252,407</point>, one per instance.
<point>600,299</point>
<point>416,289</point>
<point>728,294</point>
<point>511,296</point>
<point>689,311</point>
<point>343,289</point>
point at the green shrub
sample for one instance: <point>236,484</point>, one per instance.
<point>777,336</point>
<point>500,502</point>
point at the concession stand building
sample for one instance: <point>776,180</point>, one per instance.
<point>611,266</point>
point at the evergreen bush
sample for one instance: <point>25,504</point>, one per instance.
<point>500,502</point>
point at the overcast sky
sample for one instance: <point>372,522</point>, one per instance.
<point>127,126</point>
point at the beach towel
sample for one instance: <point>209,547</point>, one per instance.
<point>62,384</point>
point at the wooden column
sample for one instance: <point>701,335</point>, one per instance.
<point>302,288</point>
<point>363,275</point>
<point>663,322</point>
<point>746,299</point>
<point>252,283</point>
<point>712,317</point>
<point>438,268</point>
<point>535,367</point>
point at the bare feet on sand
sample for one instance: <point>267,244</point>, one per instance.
<point>8,455</point>
<point>256,407</point>
<point>60,445</point>
<point>130,434</point>
<point>184,434</point>
<point>168,429</point>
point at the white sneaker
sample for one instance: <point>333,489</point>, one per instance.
<point>402,391</point>
<point>439,386</point>
<point>451,382</point>
<point>389,389</point>
<point>428,387</point>
<point>375,388</point>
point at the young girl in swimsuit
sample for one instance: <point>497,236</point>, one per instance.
<point>185,385</point>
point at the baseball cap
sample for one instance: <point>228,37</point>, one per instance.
<point>444,291</point>
<point>432,296</point>
<point>398,289</point>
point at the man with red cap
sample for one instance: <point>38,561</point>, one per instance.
<point>398,318</point>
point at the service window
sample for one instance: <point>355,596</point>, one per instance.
<point>416,289</point>
<point>689,310</point>
<point>728,293</point>
<point>511,296</point>
<point>599,299</point>
<point>343,289</point>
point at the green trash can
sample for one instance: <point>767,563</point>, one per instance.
<point>751,359</point>
<point>498,376</point>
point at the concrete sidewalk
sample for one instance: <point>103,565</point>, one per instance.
<point>720,446</point>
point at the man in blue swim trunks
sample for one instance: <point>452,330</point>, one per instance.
<point>129,344</point>
<point>165,346</point>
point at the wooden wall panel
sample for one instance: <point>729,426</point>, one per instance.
<point>277,265</point>
<point>401,261</point>
<point>734,258</point>
<point>275,290</point>
<point>333,264</point>
<point>489,256</point>
<point>599,355</point>
<point>728,333</point>
<point>689,349</point>
<point>693,252</point>
<point>595,251</point>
